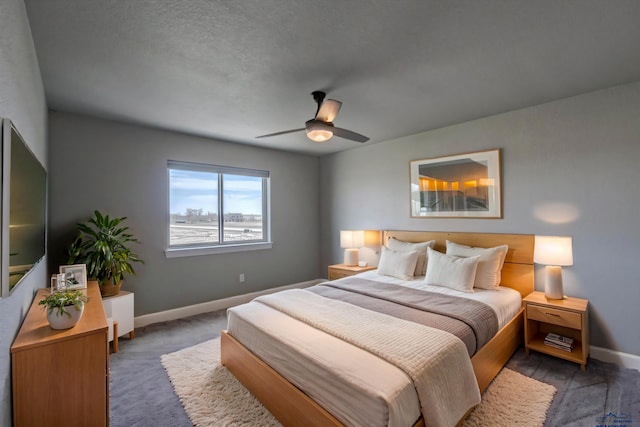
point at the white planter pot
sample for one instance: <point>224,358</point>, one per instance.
<point>59,320</point>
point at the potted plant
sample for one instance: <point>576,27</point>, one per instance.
<point>65,308</point>
<point>103,245</point>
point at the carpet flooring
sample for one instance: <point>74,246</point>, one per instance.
<point>142,395</point>
<point>212,396</point>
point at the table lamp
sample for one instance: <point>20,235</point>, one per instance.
<point>352,241</point>
<point>553,252</point>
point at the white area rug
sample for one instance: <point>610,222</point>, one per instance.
<point>212,396</point>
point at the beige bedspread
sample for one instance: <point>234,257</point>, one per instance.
<point>474,322</point>
<point>436,361</point>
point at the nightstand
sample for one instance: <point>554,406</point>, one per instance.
<point>338,271</point>
<point>568,317</point>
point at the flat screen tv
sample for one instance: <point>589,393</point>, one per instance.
<point>24,209</point>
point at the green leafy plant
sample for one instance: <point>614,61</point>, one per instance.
<point>63,300</point>
<point>103,245</point>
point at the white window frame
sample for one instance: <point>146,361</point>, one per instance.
<point>176,251</point>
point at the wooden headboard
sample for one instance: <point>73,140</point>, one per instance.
<point>517,272</point>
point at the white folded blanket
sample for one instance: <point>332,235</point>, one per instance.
<point>436,361</point>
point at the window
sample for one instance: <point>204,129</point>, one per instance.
<point>215,209</point>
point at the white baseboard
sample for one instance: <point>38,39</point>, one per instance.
<point>207,307</point>
<point>625,360</point>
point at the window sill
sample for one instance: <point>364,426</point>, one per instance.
<point>222,249</point>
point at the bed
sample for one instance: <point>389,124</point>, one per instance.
<point>264,364</point>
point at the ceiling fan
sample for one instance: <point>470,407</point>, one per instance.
<point>321,128</point>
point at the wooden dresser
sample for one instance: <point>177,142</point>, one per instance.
<point>61,377</point>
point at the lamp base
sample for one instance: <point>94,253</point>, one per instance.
<point>553,282</point>
<point>351,257</point>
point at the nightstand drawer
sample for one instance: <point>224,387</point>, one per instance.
<point>335,275</point>
<point>556,317</point>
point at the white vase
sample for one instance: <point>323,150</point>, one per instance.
<point>59,320</point>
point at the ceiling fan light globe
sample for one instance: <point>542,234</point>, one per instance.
<point>319,135</point>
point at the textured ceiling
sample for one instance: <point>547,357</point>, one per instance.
<point>232,70</point>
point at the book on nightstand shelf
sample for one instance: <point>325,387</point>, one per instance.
<point>558,341</point>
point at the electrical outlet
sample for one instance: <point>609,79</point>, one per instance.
<point>241,277</point>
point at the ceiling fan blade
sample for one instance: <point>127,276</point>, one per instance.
<point>347,134</point>
<point>328,110</point>
<point>280,133</point>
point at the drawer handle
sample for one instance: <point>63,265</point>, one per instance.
<point>552,314</point>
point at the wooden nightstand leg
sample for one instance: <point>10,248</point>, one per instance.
<point>115,337</point>
<point>526,351</point>
<point>132,335</point>
<point>583,368</point>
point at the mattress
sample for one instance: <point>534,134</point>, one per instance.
<point>356,386</point>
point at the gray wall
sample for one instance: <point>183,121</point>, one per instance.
<point>121,169</point>
<point>570,167</point>
<point>21,100</point>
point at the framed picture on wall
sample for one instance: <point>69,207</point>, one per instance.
<point>75,275</point>
<point>459,186</point>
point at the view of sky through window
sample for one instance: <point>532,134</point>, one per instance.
<point>193,190</point>
<point>242,194</point>
<point>199,190</point>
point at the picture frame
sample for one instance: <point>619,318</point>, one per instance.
<point>77,274</point>
<point>457,186</point>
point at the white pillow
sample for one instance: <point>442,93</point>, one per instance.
<point>451,272</point>
<point>488,275</point>
<point>397,263</point>
<point>421,264</point>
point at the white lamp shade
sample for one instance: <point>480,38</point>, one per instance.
<point>351,238</point>
<point>372,238</point>
<point>553,250</point>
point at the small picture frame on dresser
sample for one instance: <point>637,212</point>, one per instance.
<point>75,275</point>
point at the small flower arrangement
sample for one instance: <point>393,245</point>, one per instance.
<point>64,299</point>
